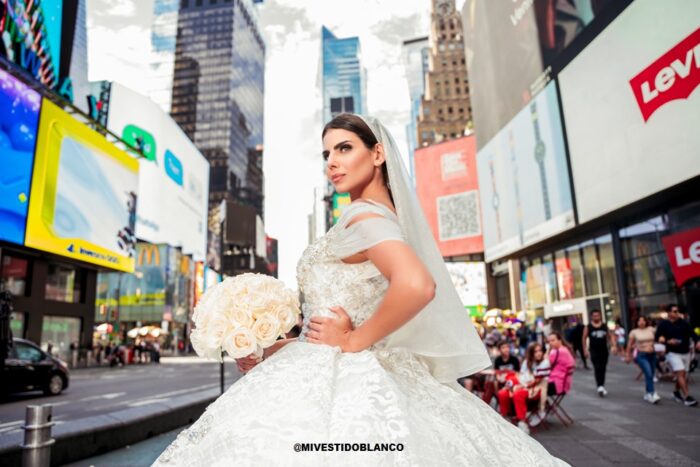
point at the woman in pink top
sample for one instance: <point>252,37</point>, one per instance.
<point>562,365</point>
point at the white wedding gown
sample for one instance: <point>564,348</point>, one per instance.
<point>311,393</point>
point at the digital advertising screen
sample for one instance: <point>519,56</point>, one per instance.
<point>635,118</point>
<point>19,119</point>
<point>84,193</point>
<point>469,278</point>
<point>32,33</point>
<point>174,183</point>
<point>448,190</point>
<point>524,179</point>
<point>510,46</point>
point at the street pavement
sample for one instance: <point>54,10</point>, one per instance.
<point>619,430</point>
<point>96,391</point>
<point>623,429</point>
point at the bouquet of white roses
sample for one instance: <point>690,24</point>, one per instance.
<point>243,315</point>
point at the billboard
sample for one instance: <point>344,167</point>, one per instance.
<point>448,190</point>
<point>174,183</point>
<point>469,278</point>
<point>83,196</point>
<point>510,47</point>
<point>19,119</point>
<point>635,118</point>
<point>524,179</point>
<point>33,38</point>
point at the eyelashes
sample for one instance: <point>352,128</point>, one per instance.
<point>343,148</point>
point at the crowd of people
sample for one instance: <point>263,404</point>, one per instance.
<point>530,366</point>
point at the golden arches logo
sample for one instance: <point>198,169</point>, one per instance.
<point>149,253</point>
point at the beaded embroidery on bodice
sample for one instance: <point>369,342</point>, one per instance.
<point>325,281</point>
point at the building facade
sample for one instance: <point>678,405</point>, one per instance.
<point>163,41</point>
<point>416,62</point>
<point>344,79</point>
<point>445,110</point>
<point>217,95</point>
<point>588,201</point>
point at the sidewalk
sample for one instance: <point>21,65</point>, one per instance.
<point>623,429</point>
<point>620,430</point>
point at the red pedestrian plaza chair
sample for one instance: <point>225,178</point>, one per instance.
<point>553,407</point>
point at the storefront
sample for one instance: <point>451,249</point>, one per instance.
<point>53,301</point>
<point>572,280</point>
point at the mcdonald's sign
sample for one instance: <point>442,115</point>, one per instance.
<point>148,254</point>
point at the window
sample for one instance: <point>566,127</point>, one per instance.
<point>63,284</point>
<point>58,333</point>
<point>17,324</point>
<point>449,110</point>
<point>14,275</point>
<point>26,352</point>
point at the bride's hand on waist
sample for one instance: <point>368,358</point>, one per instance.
<point>335,332</point>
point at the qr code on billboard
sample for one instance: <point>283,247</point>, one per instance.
<point>458,216</point>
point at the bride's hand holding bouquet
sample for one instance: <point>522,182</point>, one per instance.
<point>243,315</point>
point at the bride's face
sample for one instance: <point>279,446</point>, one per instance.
<point>350,165</point>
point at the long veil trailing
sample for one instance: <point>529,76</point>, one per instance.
<point>442,334</point>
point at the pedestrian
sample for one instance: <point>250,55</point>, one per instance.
<point>523,335</point>
<point>156,352</point>
<point>675,333</point>
<point>619,336</point>
<point>576,339</point>
<point>641,339</point>
<point>600,341</point>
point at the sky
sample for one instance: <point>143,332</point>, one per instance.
<point>119,50</point>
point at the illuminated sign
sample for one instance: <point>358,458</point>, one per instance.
<point>83,196</point>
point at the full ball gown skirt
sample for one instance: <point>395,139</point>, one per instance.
<point>311,393</point>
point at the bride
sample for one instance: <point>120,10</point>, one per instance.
<point>372,378</point>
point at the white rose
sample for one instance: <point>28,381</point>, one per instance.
<point>286,317</point>
<point>199,343</point>
<point>266,329</point>
<point>241,316</point>
<point>240,343</point>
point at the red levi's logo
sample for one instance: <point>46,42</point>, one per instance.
<point>683,252</point>
<point>673,76</point>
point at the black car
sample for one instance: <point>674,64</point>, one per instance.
<point>28,368</point>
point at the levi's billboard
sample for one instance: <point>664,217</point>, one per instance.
<point>632,106</point>
<point>683,251</point>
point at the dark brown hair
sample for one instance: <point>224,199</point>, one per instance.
<point>355,124</point>
<point>561,339</point>
<point>530,353</point>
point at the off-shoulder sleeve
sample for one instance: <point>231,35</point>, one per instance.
<point>364,233</point>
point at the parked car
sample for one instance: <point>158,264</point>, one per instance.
<point>28,368</point>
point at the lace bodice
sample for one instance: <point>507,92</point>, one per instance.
<point>326,281</point>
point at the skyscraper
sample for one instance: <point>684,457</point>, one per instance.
<point>416,61</point>
<point>79,65</point>
<point>163,41</point>
<point>445,109</point>
<point>217,95</point>
<point>344,78</point>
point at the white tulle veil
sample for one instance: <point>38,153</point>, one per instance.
<point>442,334</point>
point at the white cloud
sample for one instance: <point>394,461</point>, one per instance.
<point>122,8</point>
<point>120,55</point>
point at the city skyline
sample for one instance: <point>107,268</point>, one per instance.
<point>119,49</point>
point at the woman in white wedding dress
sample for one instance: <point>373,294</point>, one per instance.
<point>383,341</point>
